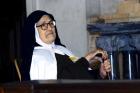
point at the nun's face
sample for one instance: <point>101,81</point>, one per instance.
<point>46,29</point>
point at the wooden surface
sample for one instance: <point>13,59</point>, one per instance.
<point>73,86</point>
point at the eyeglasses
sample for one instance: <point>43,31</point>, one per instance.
<point>44,26</point>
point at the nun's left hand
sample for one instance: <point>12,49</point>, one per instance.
<point>105,68</point>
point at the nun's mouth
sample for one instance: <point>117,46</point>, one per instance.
<point>50,33</point>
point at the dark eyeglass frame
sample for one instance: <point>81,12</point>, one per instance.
<point>44,26</point>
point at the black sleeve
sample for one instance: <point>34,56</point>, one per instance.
<point>83,62</point>
<point>67,69</point>
<point>94,74</point>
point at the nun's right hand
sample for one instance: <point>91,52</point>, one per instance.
<point>92,54</point>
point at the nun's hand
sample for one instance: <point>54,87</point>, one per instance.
<point>91,55</point>
<point>105,68</point>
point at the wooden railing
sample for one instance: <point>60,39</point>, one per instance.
<point>73,86</point>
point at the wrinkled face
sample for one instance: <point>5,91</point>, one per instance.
<point>46,29</point>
